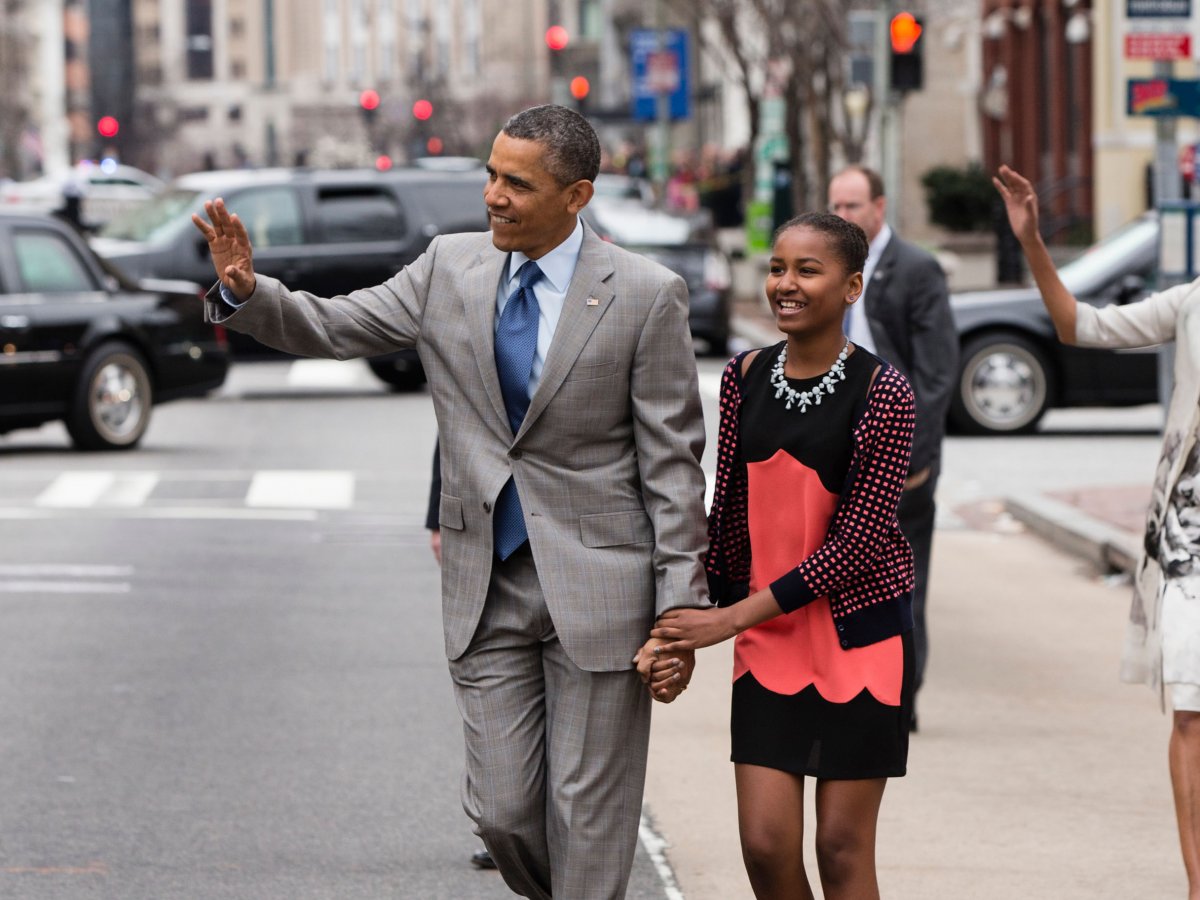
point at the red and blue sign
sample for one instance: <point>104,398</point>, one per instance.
<point>1164,97</point>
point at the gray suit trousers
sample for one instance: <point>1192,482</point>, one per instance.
<point>555,754</point>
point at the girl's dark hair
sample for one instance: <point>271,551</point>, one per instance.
<point>848,241</point>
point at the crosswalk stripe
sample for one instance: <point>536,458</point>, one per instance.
<point>69,570</point>
<point>65,587</point>
<point>296,489</point>
<point>74,489</point>
<point>319,373</point>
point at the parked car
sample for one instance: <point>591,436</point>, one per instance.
<point>686,249</point>
<point>81,344</point>
<point>107,190</point>
<point>325,231</point>
<point>1012,366</point>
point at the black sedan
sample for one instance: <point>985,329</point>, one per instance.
<point>81,344</point>
<point>1012,366</point>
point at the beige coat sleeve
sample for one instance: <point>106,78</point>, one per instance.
<point>1143,324</point>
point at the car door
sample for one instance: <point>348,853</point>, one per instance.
<point>51,297</point>
<point>361,231</point>
<point>1114,377</point>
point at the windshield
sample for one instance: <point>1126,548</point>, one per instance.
<point>159,218</point>
<point>1112,255</point>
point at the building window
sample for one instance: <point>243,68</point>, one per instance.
<point>358,41</point>
<point>387,40</point>
<point>591,22</point>
<point>444,28</point>
<point>472,28</point>
<point>199,39</point>
<point>333,41</point>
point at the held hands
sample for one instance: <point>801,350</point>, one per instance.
<point>687,629</point>
<point>665,677</point>
<point>229,245</point>
<point>1020,202</point>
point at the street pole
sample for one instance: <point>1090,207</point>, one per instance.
<point>1166,188</point>
<point>662,134</point>
<point>891,118</point>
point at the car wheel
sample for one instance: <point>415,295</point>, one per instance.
<point>400,379</point>
<point>111,409</point>
<point>1004,386</point>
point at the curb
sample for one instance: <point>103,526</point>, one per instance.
<point>1072,530</point>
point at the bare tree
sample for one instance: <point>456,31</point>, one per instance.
<point>797,48</point>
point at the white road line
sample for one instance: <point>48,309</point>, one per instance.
<point>129,489</point>
<point>64,587</point>
<point>297,489</point>
<point>323,373</point>
<point>655,844</point>
<point>69,570</point>
<point>76,489</point>
<point>163,512</point>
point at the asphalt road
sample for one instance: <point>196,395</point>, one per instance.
<point>224,676</point>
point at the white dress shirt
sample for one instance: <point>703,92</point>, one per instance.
<point>558,267</point>
<point>858,328</point>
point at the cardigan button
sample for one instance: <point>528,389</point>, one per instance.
<point>845,643</point>
<point>841,627</point>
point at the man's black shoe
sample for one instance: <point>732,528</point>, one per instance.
<point>481,859</point>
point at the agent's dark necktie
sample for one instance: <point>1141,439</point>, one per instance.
<point>516,344</point>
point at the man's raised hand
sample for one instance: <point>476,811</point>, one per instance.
<point>229,245</point>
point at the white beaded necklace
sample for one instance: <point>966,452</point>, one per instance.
<point>804,399</point>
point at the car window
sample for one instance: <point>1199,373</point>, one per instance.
<point>271,216</point>
<point>358,215</point>
<point>160,218</point>
<point>1130,247</point>
<point>47,263</point>
<point>452,205</point>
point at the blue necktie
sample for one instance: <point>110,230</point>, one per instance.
<point>516,344</point>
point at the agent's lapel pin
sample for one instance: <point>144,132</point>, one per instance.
<point>592,301</point>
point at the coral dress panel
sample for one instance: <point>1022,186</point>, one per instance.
<point>801,702</point>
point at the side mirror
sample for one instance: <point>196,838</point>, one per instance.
<point>1130,288</point>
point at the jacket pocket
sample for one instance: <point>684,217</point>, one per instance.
<point>450,513</point>
<point>591,372</point>
<point>614,529</point>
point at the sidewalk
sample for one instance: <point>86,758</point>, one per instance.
<point>1036,773</point>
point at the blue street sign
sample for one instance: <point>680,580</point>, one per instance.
<point>660,70</point>
<point>1163,97</point>
<point>1158,9</point>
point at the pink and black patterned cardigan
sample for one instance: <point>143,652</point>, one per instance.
<point>865,566</point>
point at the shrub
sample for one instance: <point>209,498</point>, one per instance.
<point>959,199</point>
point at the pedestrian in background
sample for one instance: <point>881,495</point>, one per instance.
<point>811,572</point>
<point>572,507</point>
<point>904,317</point>
<point>1162,646</point>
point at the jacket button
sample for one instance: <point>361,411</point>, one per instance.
<point>845,643</point>
<point>515,454</point>
<point>841,627</point>
<point>487,507</point>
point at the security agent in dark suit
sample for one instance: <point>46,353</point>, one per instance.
<point>904,316</point>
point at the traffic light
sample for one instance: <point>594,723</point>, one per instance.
<point>108,126</point>
<point>557,37</point>
<point>368,102</point>
<point>580,87</point>
<point>422,110</point>
<point>906,33</point>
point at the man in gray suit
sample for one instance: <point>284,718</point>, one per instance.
<point>572,510</point>
<point>903,315</point>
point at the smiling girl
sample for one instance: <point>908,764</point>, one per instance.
<point>811,573</point>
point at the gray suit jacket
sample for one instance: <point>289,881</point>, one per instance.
<point>606,461</point>
<point>908,308</point>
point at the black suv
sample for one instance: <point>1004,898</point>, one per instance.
<point>324,231</point>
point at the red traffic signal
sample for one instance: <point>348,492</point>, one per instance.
<point>580,87</point>
<point>369,99</point>
<point>108,126</point>
<point>905,32</point>
<point>434,145</point>
<point>422,110</point>
<point>557,37</point>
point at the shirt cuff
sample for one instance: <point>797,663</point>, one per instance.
<point>792,591</point>
<point>227,295</point>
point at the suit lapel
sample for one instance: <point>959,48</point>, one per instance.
<point>479,297</point>
<point>579,317</point>
<point>877,290</point>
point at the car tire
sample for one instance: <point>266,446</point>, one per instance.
<point>400,380</point>
<point>1004,386</point>
<point>113,399</point>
